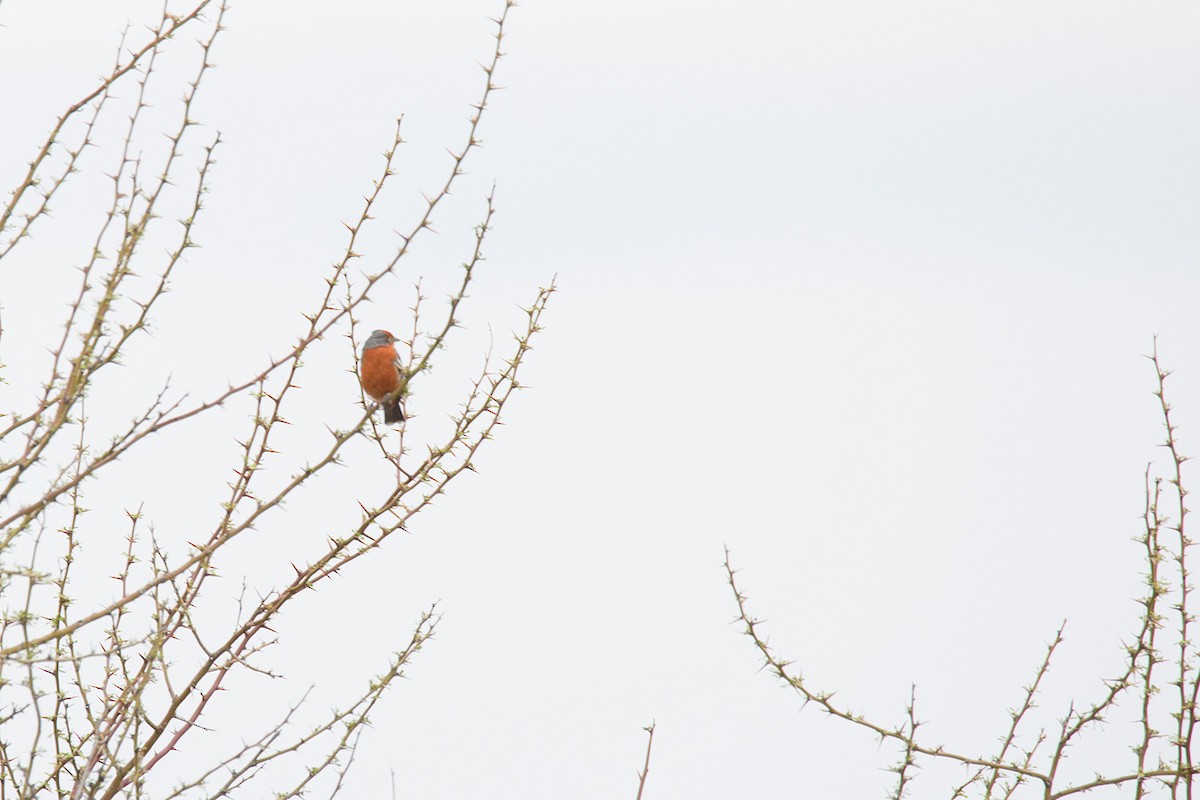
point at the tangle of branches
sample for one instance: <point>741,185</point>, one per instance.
<point>96,696</point>
<point>1159,682</point>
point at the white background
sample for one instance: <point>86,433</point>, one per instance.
<point>859,290</point>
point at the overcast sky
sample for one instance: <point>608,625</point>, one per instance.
<point>860,290</point>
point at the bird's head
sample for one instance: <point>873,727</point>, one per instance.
<point>379,339</point>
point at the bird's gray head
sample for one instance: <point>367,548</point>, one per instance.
<point>378,339</point>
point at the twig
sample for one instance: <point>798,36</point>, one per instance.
<point>649,729</point>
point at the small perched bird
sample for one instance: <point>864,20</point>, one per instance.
<point>381,376</point>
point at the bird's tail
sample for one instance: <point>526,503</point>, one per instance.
<point>392,412</point>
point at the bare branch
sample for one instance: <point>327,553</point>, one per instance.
<point>646,765</point>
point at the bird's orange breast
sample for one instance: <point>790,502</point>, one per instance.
<point>380,376</point>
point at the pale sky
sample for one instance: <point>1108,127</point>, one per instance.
<point>859,290</point>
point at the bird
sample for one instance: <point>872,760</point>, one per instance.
<point>381,375</point>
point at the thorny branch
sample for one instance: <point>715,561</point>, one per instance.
<point>95,696</point>
<point>1159,762</point>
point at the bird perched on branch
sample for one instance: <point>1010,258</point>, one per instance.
<point>381,375</point>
